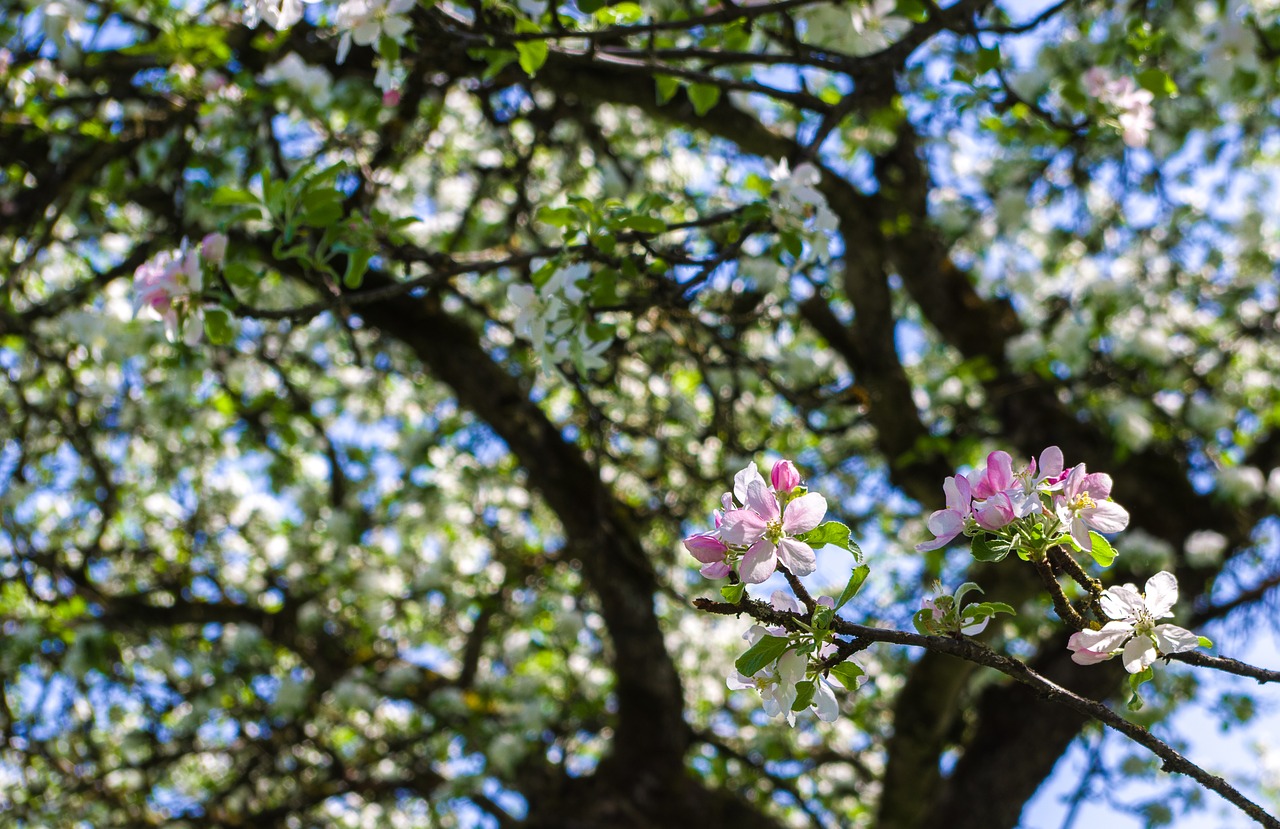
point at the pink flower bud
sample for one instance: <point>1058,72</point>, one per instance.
<point>213,248</point>
<point>391,98</point>
<point>785,477</point>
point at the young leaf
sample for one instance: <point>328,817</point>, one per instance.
<point>829,532</point>
<point>762,653</point>
<point>962,590</point>
<point>217,325</point>
<point>733,592</point>
<point>1102,551</point>
<point>532,53</point>
<point>805,690</point>
<point>667,87</point>
<point>1205,641</point>
<point>644,224</point>
<point>848,673</point>
<point>703,96</point>
<point>984,550</point>
<point>856,578</point>
<point>1135,682</point>
<point>357,264</point>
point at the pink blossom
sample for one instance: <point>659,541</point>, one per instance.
<point>1133,626</point>
<point>213,248</point>
<point>770,529</point>
<point>169,285</point>
<point>1083,505</point>
<point>996,476</point>
<point>948,523</point>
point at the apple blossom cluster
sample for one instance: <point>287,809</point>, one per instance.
<point>1030,510</point>
<point>552,317</point>
<point>797,195</point>
<point>382,24</point>
<point>764,526</point>
<point>1132,104</point>
<point>1043,506</point>
<point>169,285</point>
<point>761,526</point>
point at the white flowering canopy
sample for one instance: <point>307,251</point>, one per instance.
<point>365,363</point>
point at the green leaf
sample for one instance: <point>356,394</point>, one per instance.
<point>357,265</point>
<point>239,274</point>
<point>666,87</point>
<point>227,196</point>
<point>848,673</point>
<point>762,653</point>
<point>984,550</point>
<point>1205,641</point>
<point>856,578</point>
<point>828,532</point>
<point>617,13</point>
<point>988,59</point>
<point>805,690</point>
<point>557,216</point>
<point>924,621</point>
<point>913,10</point>
<point>822,616</point>
<point>703,96</point>
<point>1135,682</point>
<point>217,326</point>
<point>1102,551</point>
<point>792,243</point>
<point>967,587</point>
<point>733,592</point>
<point>644,224</point>
<point>532,53</point>
<point>999,607</point>
<point>1158,83</point>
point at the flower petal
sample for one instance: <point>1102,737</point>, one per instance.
<point>1097,484</point>
<point>1138,654</point>
<point>995,512</point>
<point>742,526</point>
<point>959,494</point>
<point>824,701</point>
<point>742,479</point>
<point>783,601</point>
<point>764,502</point>
<point>1109,639</point>
<point>715,570</point>
<point>1122,602</point>
<point>1173,639</point>
<point>1106,516</point>
<point>1050,463</point>
<point>759,562</point>
<point>798,556</point>
<point>705,547</point>
<point>804,513</point>
<point>1162,594</point>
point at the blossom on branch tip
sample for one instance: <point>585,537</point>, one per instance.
<point>784,476</point>
<point>1133,631</point>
